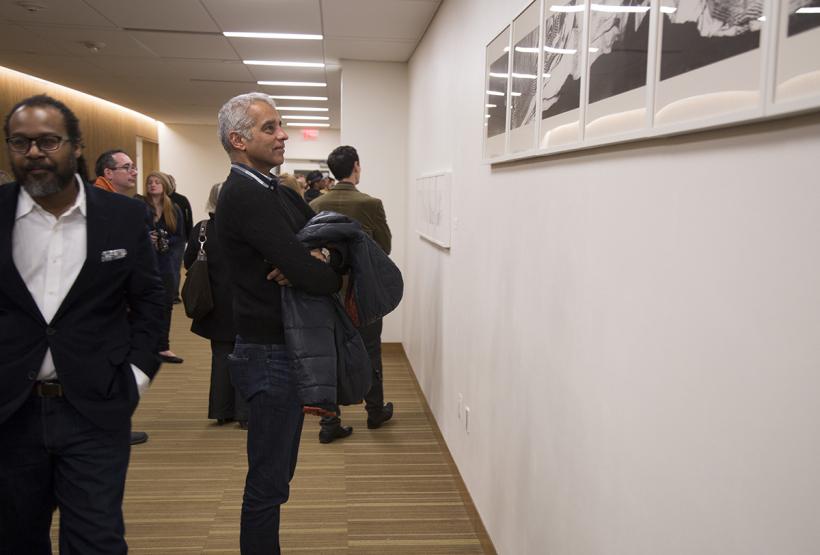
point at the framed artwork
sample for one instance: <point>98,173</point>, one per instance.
<point>524,79</point>
<point>617,67</point>
<point>495,96</point>
<point>710,60</point>
<point>562,78</point>
<point>434,198</point>
<point>797,78</point>
<point>568,74</point>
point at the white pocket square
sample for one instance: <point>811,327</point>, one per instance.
<point>116,254</point>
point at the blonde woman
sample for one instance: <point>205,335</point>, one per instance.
<point>166,234</point>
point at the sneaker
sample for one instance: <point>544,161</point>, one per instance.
<point>376,420</point>
<point>326,435</point>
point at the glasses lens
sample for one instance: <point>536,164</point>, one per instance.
<point>18,144</point>
<point>49,142</point>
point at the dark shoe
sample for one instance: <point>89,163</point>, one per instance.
<point>223,421</point>
<point>177,300</point>
<point>337,432</point>
<point>243,424</point>
<point>138,437</point>
<point>376,420</point>
<point>171,359</point>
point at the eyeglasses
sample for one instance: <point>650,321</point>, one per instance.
<point>127,167</point>
<point>45,143</point>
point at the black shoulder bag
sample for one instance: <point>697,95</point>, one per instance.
<point>196,292</point>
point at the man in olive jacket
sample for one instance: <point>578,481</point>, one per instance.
<point>345,199</point>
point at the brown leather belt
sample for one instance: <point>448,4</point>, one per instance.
<point>48,389</point>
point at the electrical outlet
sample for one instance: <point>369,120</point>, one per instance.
<point>460,404</point>
<point>467,419</point>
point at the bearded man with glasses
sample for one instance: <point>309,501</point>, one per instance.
<point>81,306</point>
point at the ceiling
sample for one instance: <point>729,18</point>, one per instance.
<point>169,59</point>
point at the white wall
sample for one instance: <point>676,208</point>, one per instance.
<point>635,329</point>
<point>195,157</point>
<point>374,120</point>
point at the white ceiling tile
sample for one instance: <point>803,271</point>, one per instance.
<point>371,50</point>
<point>268,49</point>
<point>180,15</point>
<point>71,40</point>
<point>271,16</point>
<point>56,12</point>
<point>387,19</point>
<point>181,45</point>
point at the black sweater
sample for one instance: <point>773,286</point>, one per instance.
<point>257,232</point>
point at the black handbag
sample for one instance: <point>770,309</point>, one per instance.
<point>196,292</point>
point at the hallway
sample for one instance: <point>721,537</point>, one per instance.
<point>394,490</point>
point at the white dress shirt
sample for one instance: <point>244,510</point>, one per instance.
<point>49,253</point>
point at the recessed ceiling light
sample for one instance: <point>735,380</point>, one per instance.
<point>301,109</point>
<point>290,36</point>
<point>282,64</point>
<point>299,116</point>
<point>294,124</point>
<point>286,97</point>
<point>292,83</point>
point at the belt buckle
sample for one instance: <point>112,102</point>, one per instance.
<point>48,389</point>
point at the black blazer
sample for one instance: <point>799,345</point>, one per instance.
<point>110,317</point>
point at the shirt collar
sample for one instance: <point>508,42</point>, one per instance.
<point>25,203</point>
<point>270,181</point>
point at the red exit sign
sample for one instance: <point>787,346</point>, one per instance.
<point>310,134</point>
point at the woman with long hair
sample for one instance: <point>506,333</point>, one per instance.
<point>166,234</point>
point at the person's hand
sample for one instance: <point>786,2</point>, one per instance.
<point>277,276</point>
<point>319,255</point>
<point>153,236</point>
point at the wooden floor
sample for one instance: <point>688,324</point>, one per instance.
<point>394,490</point>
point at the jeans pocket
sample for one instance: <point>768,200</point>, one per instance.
<point>238,370</point>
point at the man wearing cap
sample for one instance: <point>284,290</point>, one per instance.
<point>315,181</point>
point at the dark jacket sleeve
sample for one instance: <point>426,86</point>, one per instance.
<point>381,231</point>
<point>146,302</point>
<point>178,237</point>
<point>193,246</point>
<point>263,227</point>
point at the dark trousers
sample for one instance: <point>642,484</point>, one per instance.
<point>374,400</point>
<point>177,254</point>
<point>51,456</point>
<point>168,284</point>
<point>224,401</point>
<point>263,376</point>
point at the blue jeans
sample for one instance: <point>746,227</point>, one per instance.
<point>263,376</point>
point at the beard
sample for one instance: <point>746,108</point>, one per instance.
<point>55,180</point>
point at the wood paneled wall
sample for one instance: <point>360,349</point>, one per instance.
<point>104,125</point>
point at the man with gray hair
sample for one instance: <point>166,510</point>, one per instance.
<point>257,220</point>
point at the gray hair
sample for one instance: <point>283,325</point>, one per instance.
<point>213,198</point>
<point>233,117</point>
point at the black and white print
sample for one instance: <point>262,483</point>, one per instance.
<point>618,45</point>
<point>803,16</point>
<point>524,83</point>
<point>697,33</point>
<point>561,89</point>
<point>496,112</point>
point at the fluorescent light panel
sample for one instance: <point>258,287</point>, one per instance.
<point>299,116</point>
<point>287,36</point>
<point>287,97</point>
<point>301,109</point>
<point>282,64</point>
<point>619,9</point>
<point>809,9</point>
<point>295,124</point>
<point>292,83</point>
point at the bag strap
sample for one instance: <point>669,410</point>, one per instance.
<point>203,238</point>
